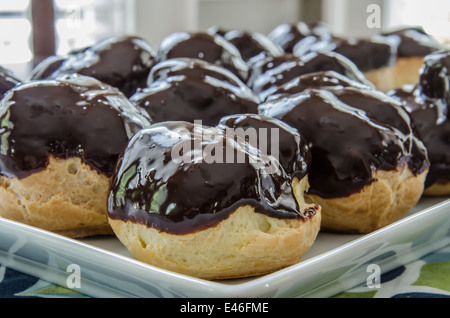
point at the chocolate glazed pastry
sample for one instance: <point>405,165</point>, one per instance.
<point>318,80</point>
<point>252,45</point>
<point>374,57</point>
<point>368,167</point>
<point>59,142</point>
<point>211,48</point>
<point>186,89</point>
<point>269,74</point>
<point>427,102</point>
<point>413,44</point>
<point>122,62</point>
<point>287,35</point>
<point>181,202</point>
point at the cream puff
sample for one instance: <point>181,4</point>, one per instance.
<point>187,89</point>
<point>122,62</point>
<point>59,142</point>
<point>427,102</point>
<point>183,201</point>
<point>205,46</point>
<point>412,44</point>
<point>368,164</point>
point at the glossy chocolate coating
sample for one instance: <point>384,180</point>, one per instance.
<point>413,41</point>
<point>192,89</point>
<point>366,54</point>
<point>287,35</point>
<point>122,62</point>
<point>271,73</point>
<point>252,45</point>
<point>292,151</point>
<point>353,133</point>
<point>428,102</point>
<point>434,79</point>
<point>317,80</point>
<point>7,81</point>
<point>153,187</point>
<point>66,117</point>
<point>204,46</point>
<point>47,67</point>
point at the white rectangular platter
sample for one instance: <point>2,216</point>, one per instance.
<point>335,263</point>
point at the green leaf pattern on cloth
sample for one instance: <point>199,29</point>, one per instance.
<point>424,278</point>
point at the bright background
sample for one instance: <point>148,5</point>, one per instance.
<point>80,23</point>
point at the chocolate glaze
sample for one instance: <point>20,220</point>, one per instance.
<point>413,41</point>
<point>286,35</point>
<point>192,89</point>
<point>434,79</point>
<point>65,117</point>
<point>353,133</point>
<point>211,48</point>
<point>292,150</point>
<point>430,119</point>
<point>47,67</point>
<point>318,80</point>
<point>252,45</point>
<point>122,62</point>
<point>269,74</point>
<point>153,187</point>
<point>427,102</point>
<point>366,54</point>
<point>7,81</point>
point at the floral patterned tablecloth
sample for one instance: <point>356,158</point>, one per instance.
<point>427,277</point>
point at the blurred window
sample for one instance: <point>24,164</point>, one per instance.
<point>58,27</point>
<point>432,15</point>
<point>15,37</point>
<point>81,23</point>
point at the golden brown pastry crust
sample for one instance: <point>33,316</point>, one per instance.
<point>383,78</point>
<point>439,188</point>
<point>67,197</point>
<point>379,204</point>
<point>245,244</point>
<point>405,71</point>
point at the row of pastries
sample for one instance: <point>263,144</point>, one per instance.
<point>124,139</point>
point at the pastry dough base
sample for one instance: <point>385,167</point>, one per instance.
<point>67,197</point>
<point>245,244</point>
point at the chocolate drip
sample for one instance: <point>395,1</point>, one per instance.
<point>413,41</point>
<point>191,89</point>
<point>122,62</point>
<point>66,117</point>
<point>204,46</point>
<point>155,187</point>
<point>268,75</point>
<point>292,149</point>
<point>353,133</point>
